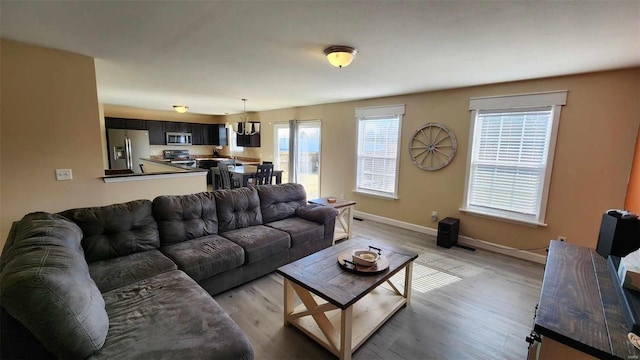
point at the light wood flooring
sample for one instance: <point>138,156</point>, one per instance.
<point>464,305</point>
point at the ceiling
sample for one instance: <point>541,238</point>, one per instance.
<point>209,55</point>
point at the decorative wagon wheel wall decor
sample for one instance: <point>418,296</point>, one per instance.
<point>432,146</point>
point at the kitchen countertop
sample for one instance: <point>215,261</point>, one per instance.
<point>180,171</point>
<point>167,162</point>
<point>240,162</point>
<point>244,161</point>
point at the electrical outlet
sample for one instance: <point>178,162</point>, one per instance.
<point>341,196</point>
<point>64,174</point>
<point>562,238</point>
<point>434,216</point>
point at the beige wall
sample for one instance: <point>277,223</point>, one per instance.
<point>49,119</point>
<point>632,201</point>
<point>593,157</point>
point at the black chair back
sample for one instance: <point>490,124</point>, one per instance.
<point>264,174</point>
<point>225,177</point>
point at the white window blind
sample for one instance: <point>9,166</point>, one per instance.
<point>378,150</point>
<point>510,160</point>
<point>511,157</point>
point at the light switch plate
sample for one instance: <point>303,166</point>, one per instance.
<point>63,174</point>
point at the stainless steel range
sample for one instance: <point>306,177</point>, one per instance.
<point>179,157</point>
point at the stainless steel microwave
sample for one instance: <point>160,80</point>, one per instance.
<point>178,138</point>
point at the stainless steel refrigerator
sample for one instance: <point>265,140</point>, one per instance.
<point>126,148</point>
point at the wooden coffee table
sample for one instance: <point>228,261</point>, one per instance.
<point>341,309</point>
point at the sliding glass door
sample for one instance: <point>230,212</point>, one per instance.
<point>297,153</point>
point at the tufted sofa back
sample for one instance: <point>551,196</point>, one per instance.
<point>238,208</point>
<point>279,202</point>
<point>115,230</point>
<point>185,217</point>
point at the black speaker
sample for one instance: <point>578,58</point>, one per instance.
<point>448,232</point>
<point>618,236</point>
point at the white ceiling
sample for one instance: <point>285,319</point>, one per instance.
<point>210,54</point>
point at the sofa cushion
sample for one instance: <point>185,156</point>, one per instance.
<point>116,230</point>
<point>204,257</point>
<point>238,208</point>
<point>124,270</point>
<point>169,316</point>
<point>259,242</point>
<point>45,284</point>
<point>317,213</point>
<point>300,230</point>
<point>185,217</point>
<point>279,202</point>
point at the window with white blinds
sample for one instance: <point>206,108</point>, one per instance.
<point>378,150</point>
<point>511,155</point>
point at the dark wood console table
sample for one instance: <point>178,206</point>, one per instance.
<point>579,307</point>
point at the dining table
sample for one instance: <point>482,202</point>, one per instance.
<point>244,173</point>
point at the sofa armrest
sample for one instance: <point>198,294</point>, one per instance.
<point>317,213</point>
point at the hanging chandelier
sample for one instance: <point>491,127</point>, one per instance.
<point>246,127</point>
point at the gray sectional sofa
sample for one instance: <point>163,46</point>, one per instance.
<point>135,280</point>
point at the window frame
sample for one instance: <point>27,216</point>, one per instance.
<point>374,113</point>
<point>233,141</point>
<point>514,103</point>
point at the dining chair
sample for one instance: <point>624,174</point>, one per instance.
<point>225,177</point>
<point>264,174</point>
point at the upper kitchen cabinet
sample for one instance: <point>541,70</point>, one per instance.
<point>198,134</point>
<point>114,123</point>
<point>177,127</point>
<point>156,132</point>
<point>219,135</point>
<point>209,134</point>
<point>119,123</point>
<point>248,140</point>
<point>135,124</point>
<point>201,134</point>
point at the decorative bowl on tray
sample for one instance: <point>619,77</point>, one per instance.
<point>365,257</point>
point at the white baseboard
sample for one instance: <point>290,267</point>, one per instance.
<point>464,240</point>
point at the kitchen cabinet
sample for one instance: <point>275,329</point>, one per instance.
<point>219,135</point>
<point>202,134</point>
<point>177,127</point>
<point>209,134</point>
<point>248,140</point>
<point>114,123</point>
<point>135,124</point>
<point>119,123</point>
<point>156,132</point>
<point>197,134</point>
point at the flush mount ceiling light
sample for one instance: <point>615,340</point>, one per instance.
<point>180,108</point>
<point>340,56</point>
